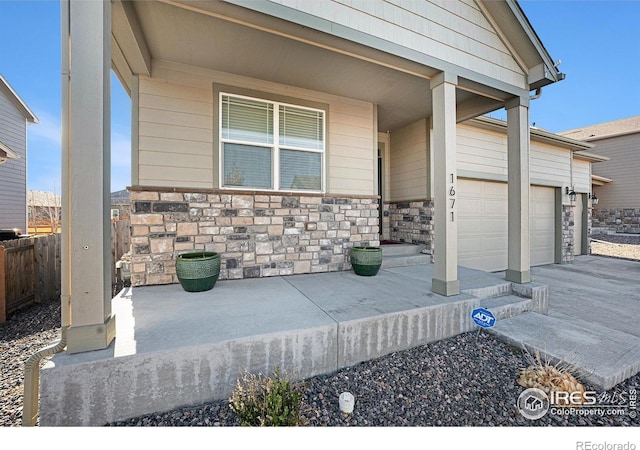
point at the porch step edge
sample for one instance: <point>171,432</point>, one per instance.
<point>404,260</point>
<point>400,249</point>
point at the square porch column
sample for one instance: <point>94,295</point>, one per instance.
<point>518,263</point>
<point>86,173</point>
<point>445,184</point>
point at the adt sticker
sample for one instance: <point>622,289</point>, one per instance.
<point>483,317</point>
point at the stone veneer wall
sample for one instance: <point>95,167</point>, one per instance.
<point>620,220</point>
<point>257,234</point>
<point>589,227</point>
<point>410,221</point>
<point>567,234</point>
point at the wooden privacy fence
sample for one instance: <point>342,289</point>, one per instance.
<point>29,272</point>
<point>120,244</point>
<point>30,268</point>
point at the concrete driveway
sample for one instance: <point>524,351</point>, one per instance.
<point>592,323</point>
<point>597,289</point>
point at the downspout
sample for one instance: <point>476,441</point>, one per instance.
<point>30,407</point>
<point>32,379</point>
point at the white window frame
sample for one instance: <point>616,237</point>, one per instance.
<point>275,147</point>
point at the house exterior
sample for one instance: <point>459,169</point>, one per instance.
<point>120,205</point>
<point>15,116</point>
<point>44,211</point>
<point>616,185</point>
<point>281,134</point>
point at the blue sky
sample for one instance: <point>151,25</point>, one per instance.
<point>597,41</point>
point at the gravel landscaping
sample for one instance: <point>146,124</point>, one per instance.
<point>468,380</point>
<point>625,246</point>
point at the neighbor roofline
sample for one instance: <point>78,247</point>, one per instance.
<point>610,135</point>
<point>17,101</point>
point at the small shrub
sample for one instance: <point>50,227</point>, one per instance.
<point>267,401</point>
<point>550,378</point>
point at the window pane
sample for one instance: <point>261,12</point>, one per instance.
<point>247,120</point>
<point>300,170</point>
<point>301,128</point>
<point>247,166</point>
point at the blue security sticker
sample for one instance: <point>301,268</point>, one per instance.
<point>483,317</point>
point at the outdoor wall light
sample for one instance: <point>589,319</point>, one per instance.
<point>594,199</point>
<point>571,193</point>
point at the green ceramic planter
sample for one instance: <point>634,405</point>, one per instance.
<point>198,271</point>
<point>366,261</point>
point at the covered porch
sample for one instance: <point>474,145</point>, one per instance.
<point>175,348</point>
<point>299,51</point>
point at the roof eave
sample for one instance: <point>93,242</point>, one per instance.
<point>536,134</point>
<point>17,101</point>
<point>591,157</point>
<point>545,73</point>
<point>7,153</point>
<point>597,180</point>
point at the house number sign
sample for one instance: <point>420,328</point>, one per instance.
<point>452,198</point>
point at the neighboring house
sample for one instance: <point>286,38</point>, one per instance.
<point>15,116</point>
<point>120,205</point>
<point>616,184</point>
<point>45,212</point>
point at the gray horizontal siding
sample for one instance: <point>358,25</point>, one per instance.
<point>622,168</point>
<point>13,173</point>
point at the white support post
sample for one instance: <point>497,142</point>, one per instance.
<point>445,185</point>
<point>518,263</point>
<point>86,185</point>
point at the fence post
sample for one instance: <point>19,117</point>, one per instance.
<point>3,292</point>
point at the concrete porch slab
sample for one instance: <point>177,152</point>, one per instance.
<point>175,348</point>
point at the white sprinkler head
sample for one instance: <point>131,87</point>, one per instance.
<point>346,401</point>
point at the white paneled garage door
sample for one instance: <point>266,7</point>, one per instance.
<point>482,225</point>
<point>542,225</point>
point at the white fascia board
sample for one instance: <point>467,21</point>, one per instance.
<point>17,101</point>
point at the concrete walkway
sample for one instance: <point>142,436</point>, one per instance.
<point>592,322</point>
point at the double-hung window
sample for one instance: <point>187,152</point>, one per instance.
<point>271,145</point>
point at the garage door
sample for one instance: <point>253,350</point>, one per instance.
<point>482,225</point>
<point>542,225</point>
<point>577,226</point>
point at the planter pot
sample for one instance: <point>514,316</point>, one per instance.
<point>366,261</point>
<point>198,271</point>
